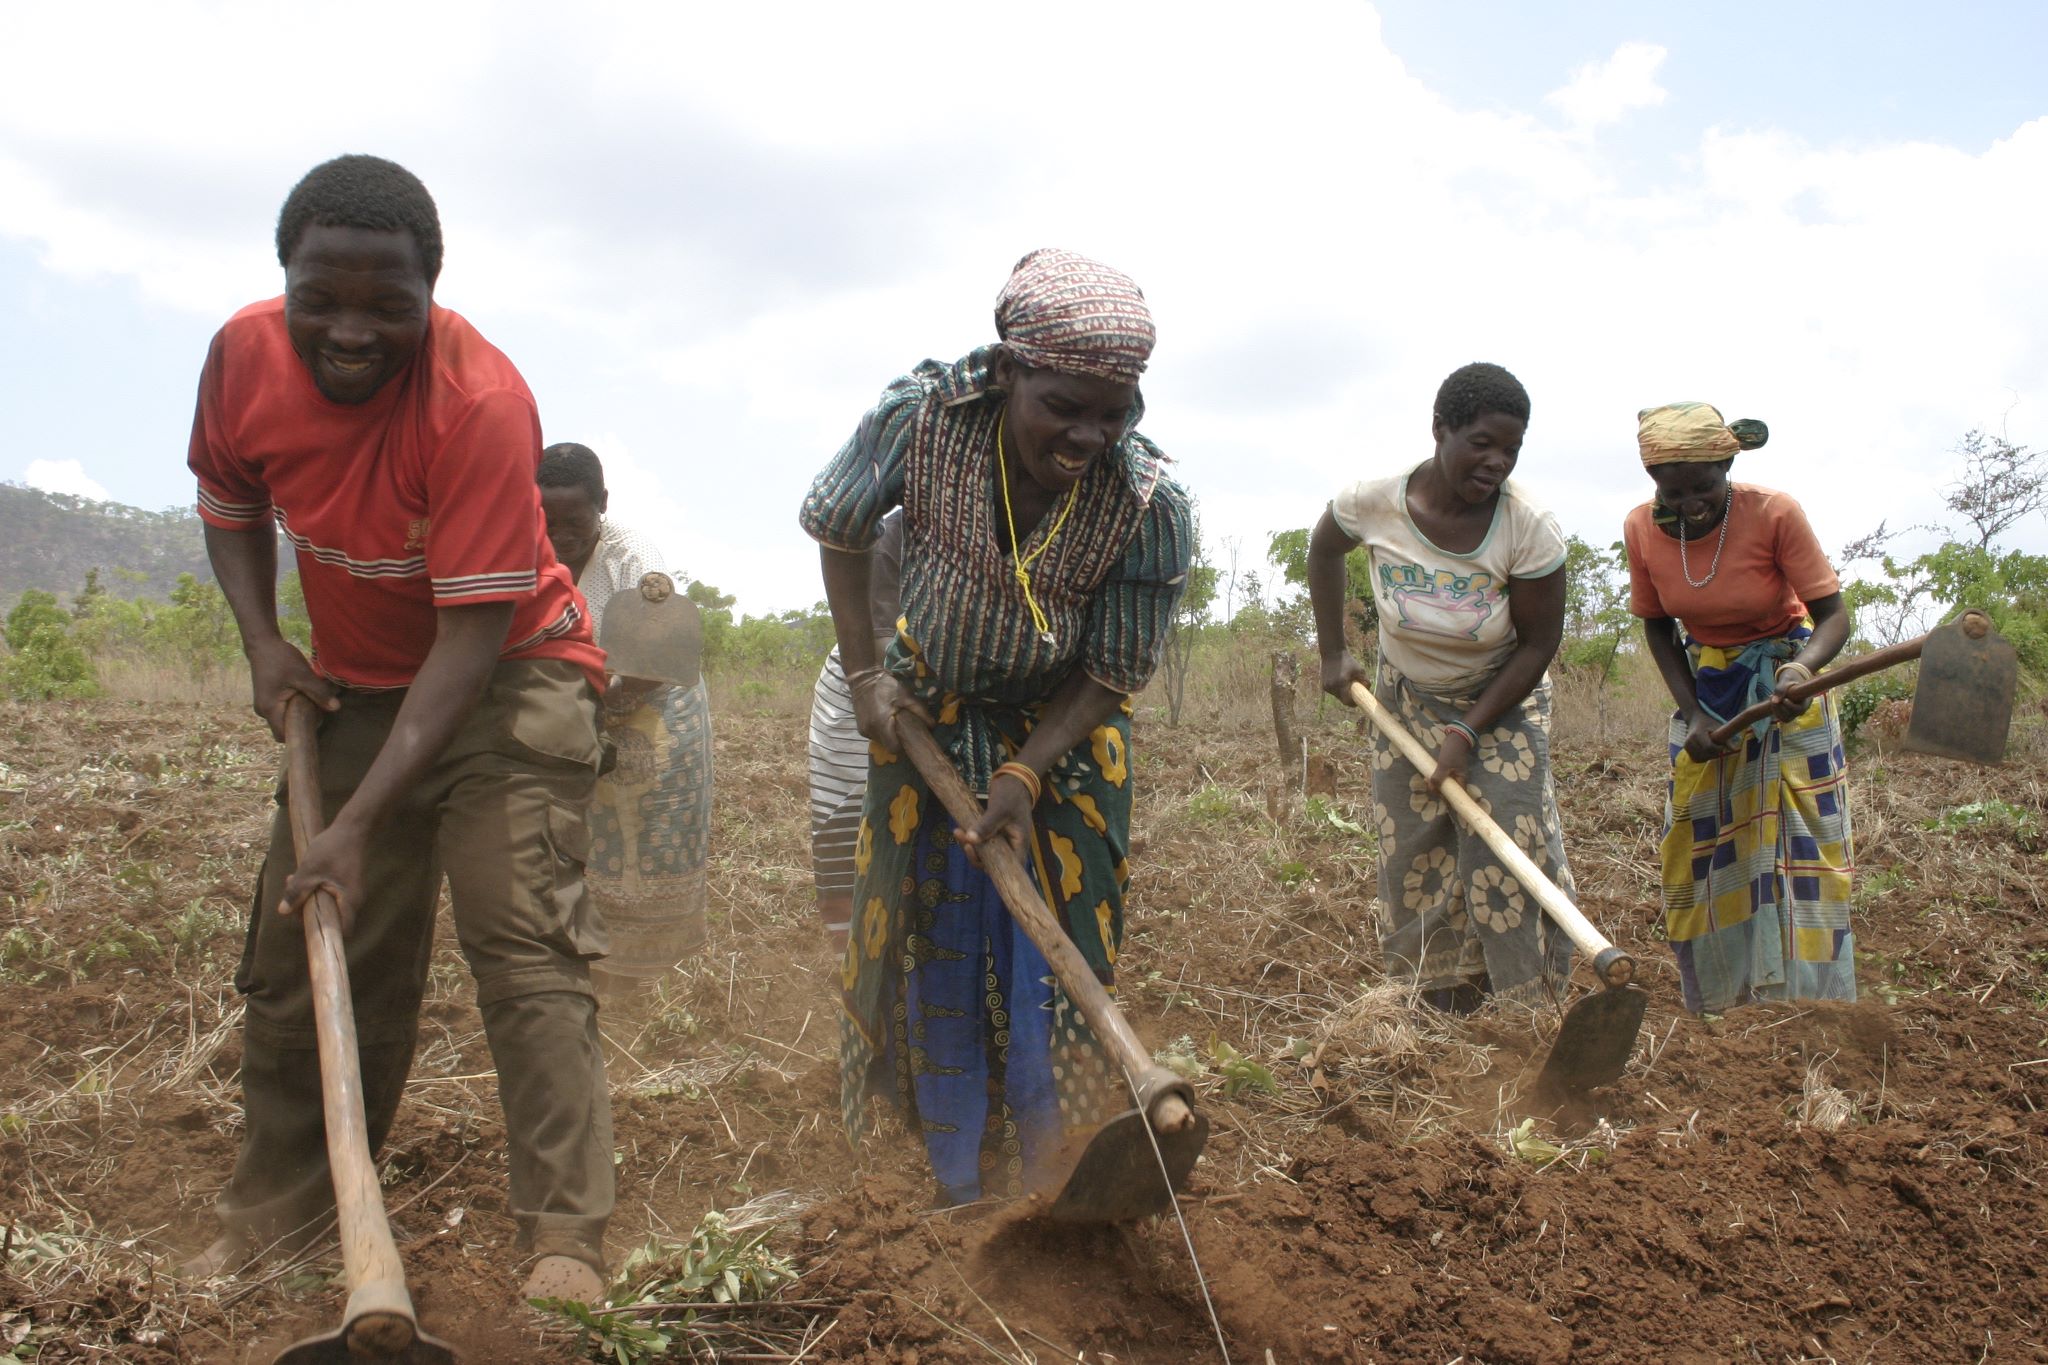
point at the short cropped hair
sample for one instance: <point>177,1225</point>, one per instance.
<point>362,192</point>
<point>570,465</point>
<point>1479,390</point>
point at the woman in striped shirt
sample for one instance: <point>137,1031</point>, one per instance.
<point>1044,552</point>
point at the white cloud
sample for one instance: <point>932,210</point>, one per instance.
<point>63,476</point>
<point>1602,92</point>
<point>708,248</point>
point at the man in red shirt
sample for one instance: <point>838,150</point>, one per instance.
<point>454,661</point>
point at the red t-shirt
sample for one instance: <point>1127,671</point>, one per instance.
<point>421,498</point>
<point>1771,567</point>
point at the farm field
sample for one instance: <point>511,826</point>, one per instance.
<point>1804,1183</point>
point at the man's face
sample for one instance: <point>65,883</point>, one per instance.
<point>356,302</point>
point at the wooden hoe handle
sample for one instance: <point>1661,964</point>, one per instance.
<point>1877,659</point>
<point>379,1319</point>
<point>1612,965</point>
<point>1160,1091</point>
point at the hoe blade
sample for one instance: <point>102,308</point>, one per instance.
<point>1962,707</point>
<point>1117,1179</point>
<point>332,1348</point>
<point>1594,1045</point>
<point>653,632</point>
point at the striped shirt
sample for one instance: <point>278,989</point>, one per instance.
<point>1108,584</point>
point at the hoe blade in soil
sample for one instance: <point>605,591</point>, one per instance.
<point>332,1348</point>
<point>1594,1045</point>
<point>1117,1177</point>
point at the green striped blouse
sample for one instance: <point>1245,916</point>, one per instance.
<point>1108,584</point>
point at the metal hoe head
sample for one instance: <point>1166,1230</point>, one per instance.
<point>1116,1177</point>
<point>1594,1044</point>
<point>1962,707</point>
<point>652,632</point>
<point>370,1337</point>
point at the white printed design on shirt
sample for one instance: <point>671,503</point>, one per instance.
<point>1439,601</point>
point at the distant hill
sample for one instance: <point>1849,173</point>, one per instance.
<point>50,540</point>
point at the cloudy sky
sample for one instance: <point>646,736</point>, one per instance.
<point>710,235</point>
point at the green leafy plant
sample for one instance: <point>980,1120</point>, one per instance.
<point>1239,1072</point>
<point>1992,814</point>
<point>1857,702</point>
<point>21,950</point>
<point>199,923</point>
<point>121,942</point>
<point>1292,872</point>
<point>663,1285</point>
<point>617,1337</point>
<point>1323,813</point>
<point>1180,1057</point>
<point>47,663</point>
<point>1213,803</point>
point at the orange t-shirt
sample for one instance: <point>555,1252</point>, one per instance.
<point>1771,567</point>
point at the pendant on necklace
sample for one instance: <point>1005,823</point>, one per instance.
<point>1050,640</point>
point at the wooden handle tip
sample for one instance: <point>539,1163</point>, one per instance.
<point>1172,1115</point>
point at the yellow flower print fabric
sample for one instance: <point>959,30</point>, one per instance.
<point>1079,861</point>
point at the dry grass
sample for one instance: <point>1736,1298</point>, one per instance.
<point>1822,1105</point>
<point>131,678</point>
<point>1250,934</point>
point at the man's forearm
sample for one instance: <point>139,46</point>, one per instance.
<point>245,566</point>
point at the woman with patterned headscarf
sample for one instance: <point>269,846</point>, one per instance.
<point>1044,550</point>
<point>1739,604</point>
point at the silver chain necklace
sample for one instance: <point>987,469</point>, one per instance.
<point>1685,566</point>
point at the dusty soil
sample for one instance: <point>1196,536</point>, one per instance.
<point>1374,1205</point>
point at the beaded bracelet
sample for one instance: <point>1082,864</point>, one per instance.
<point>1471,735</point>
<point>1024,775</point>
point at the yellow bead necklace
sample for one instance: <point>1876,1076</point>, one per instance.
<point>1023,561</point>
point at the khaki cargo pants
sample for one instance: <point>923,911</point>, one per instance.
<point>502,816</point>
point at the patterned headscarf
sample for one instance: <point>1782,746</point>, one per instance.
<point>1062,311</point>
<point>1679,432</point>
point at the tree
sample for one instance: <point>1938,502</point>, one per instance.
<point>81,605</point>
<point>2001,484</point>
<point>46,662</point>
<point>1289,552</point>
<point>35,610</point>
<point>1186,627</point>
<point>1597,621</point>
<point>197,629</point>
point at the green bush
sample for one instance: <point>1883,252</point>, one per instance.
<point>35,610</point>
<point>1857,702</point>
<point>47,663</point>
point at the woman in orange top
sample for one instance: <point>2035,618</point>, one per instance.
<point>1739,604</point>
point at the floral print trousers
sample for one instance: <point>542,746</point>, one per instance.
<point>1450,914</point>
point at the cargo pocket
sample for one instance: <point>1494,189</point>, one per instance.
<point>576,926</point>
<point>550,712</point>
